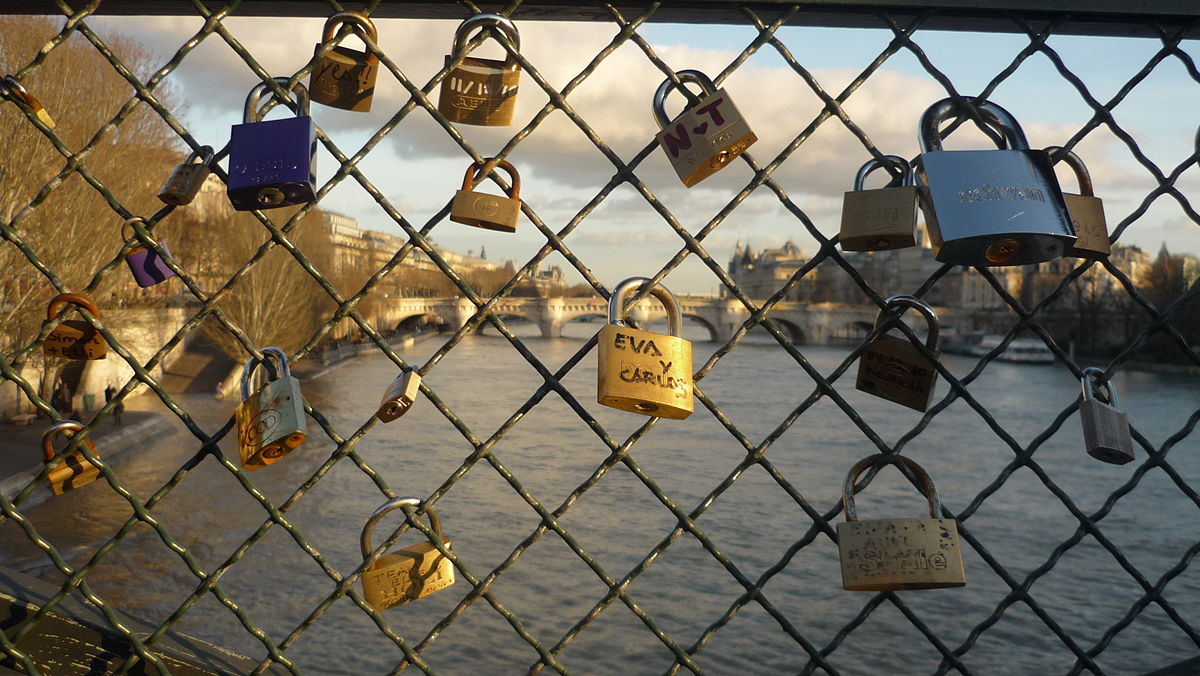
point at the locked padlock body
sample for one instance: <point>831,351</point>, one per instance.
<point>345,78</point>
<point>644,372</point>
<point>1091,230</point>
<point>899,554</point>
<point>407,575</point>
<point>705,138</point>
<point>483,210</point>
<point>271,423</point>
<point>72,472</point>
<point>272,163</point>
<point>148,267</point>
<point>1106,432</point>
<point>75,339</point>
<point>399,396</point>
<point>879,219</point>
<point>182,186</point>
<point>480,91</point>
<point>894,369</point>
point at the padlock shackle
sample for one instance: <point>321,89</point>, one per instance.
<point>1086,381</point>
<point>129,224</point>
<point>203,153</point>
<point>905,300</point>
<point>272,373</point>
<point>926,483</point>
<point>501,23</point>
<point>660,96</point>
<point>514,192</point>
<point>947,109</point>
<point>368,529</point>
<point>356,18</point>
<point>860,179</point>
<point>616,303</point>
<point>74,299</point>
<point>54,430</point>
<point>18,90</point>
<point>1076,164</point>
<point>252,113</point>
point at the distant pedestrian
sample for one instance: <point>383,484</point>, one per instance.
<point>109,393</point>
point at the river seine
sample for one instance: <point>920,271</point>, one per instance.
<point>549,452</point>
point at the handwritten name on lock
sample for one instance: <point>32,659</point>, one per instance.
<point>656,372</point>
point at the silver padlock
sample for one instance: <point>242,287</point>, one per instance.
<point>185,182</point>
<point>704,138</point>
<point>1087,212</point>
<point>400,396</point>
<point>270,422</point>
<point>883,218</point>
<point>1105,427</point>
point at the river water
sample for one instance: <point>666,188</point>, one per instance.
<point>550,452</point>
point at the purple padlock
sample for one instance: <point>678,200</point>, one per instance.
<point>147,266</point>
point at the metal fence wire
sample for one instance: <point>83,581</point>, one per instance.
<point>816,645</point>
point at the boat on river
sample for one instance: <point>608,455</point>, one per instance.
<point>1020,350</point>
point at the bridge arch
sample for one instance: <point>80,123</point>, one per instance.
<point>791,329</point>
<point>418,321</point>
<point>714,335</point>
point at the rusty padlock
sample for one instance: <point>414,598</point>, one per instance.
<point>345,78</point>
<point>704,138</point>
<point>883,218</point>
<point>892,368</point>
<point>186,180</point>
<point>74,338</point>
<point>410,573</point>
<point>484,210</point>
<point>147,266</point>
<point>481,91</point>
<point>18,91</point>
<point>1086,211</point>
<point>72,470</point>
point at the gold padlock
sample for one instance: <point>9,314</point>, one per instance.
<point>270,421</point>
<point>400,396</point>
<point>640,371</point>
<point>74,338</point>
<point>883,218</point>
<point>73,469</point>
<point>704,138</point>
<point>409,574</point>
<point>486,211</point>
<point>1086,212</point>
<point>893,368</point>
<point>345,78</point>
<point>481,91</point>
<point>898,554</point>
<point>18,90</point>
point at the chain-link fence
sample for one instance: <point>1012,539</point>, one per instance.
<point>1058,565</point>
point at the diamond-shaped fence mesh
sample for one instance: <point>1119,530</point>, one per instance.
<point>584,539</point>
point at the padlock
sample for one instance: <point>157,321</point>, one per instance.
<point>883,218</point>
<point>481,91</point>
<point>74,338</point>
<point>989,207</point>
<point>410,573</point>
<point>892,368</point>
<point>400,396</point>
<point>898,554</point>
<point>1105,427</point>
<point>18,90</point>
<point>484,210</point>
<point>640,371</point>
<point>147,266</point>
<point>1086,211</point>
<point>345,78</point>
<point>270,422</point>
<point>72,470</point>
<point>184,183</point>
<point>705,137</point>
<point>272,163</point>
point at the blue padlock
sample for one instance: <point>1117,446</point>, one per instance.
<point>273,163</point>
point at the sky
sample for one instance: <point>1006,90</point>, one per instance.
<point>419,168</point>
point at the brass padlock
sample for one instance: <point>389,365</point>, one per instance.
<point>147,266</point>
<point>1086,211</point>
<point>481,91</point>
<point>400,396</point>
<point>410,573</point>
<point>883,218</point>
<point>14,87</point>
<point>898,554</point>
<point>1105,427</point>
<point>345,78</point>
<point>989,207</point>
<point>483,210</point>
<point>73,469</point>
<point>705,137</point>
<point>270,422</point>
<point>74,338</point>
<point>892,368</point>
<point>640,371</point>
<point>185,182</point>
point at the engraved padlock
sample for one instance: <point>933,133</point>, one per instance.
<point>1105,427</point>
<point>481,91</point>
<point>14,87</point>
<point>147,266</point>
<point>272,163</point>
<point>640,371</point>
<point>185,182</point>
<point>893,368</point>
<point>74,338</point>
<point>410,573</point>
<point>883,218</point>
<point>1086,211</point>
<point>270,422</point>
<point>400,396</point>
<point>704,138</point>
<point>898,554</point>
<point>484,210</point>
<point>989,207</point>
<point>345,78</point>
<point>71,470</point>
